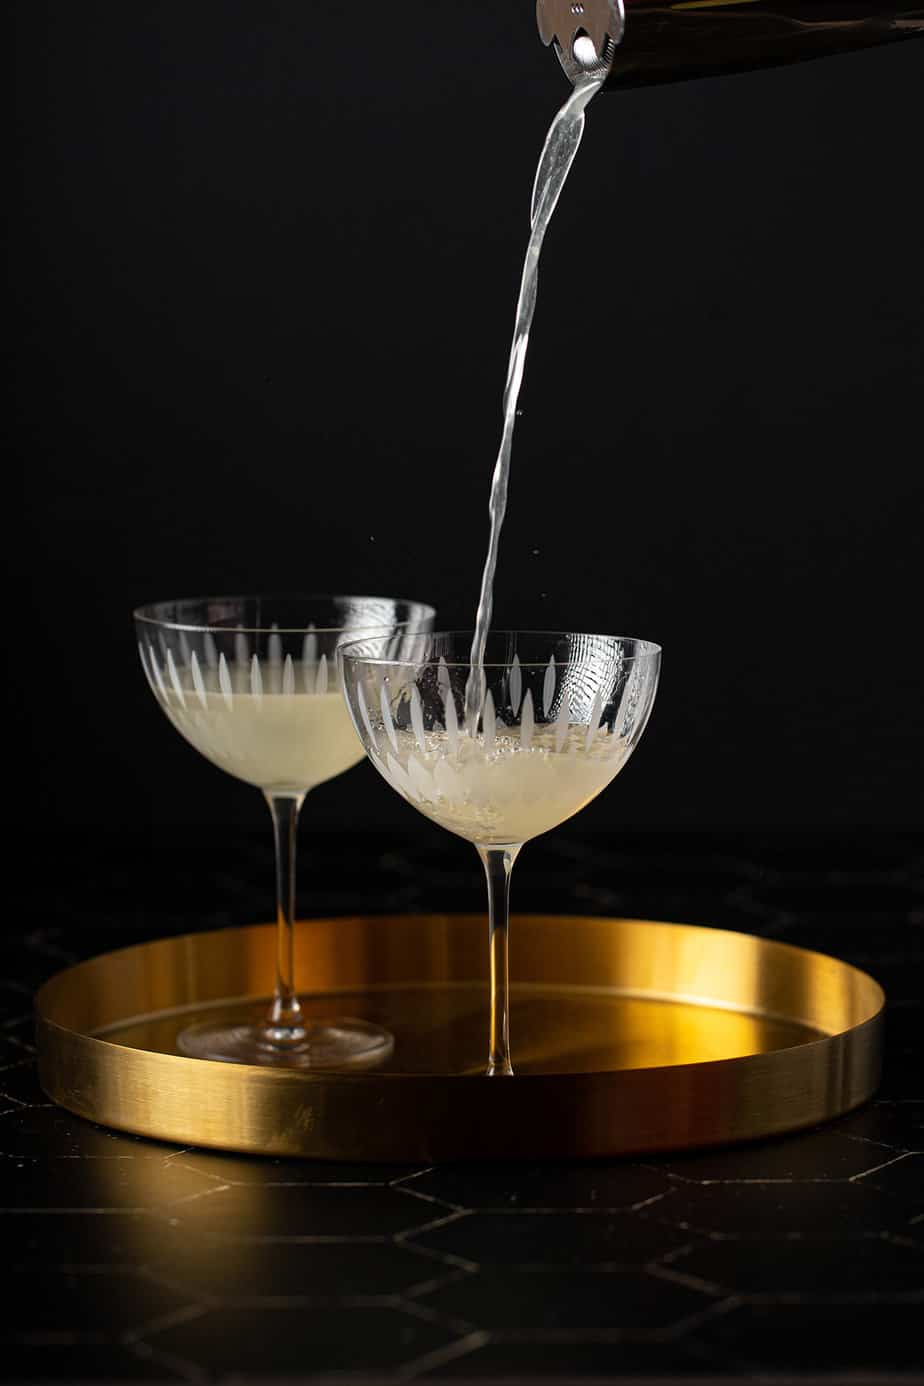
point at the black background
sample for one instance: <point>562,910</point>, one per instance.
<point>263,276</point>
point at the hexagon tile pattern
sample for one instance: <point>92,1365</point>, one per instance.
<point>795,1259</point>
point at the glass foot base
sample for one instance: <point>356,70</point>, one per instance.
<point>334,1044</point>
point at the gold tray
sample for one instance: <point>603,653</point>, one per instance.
<point>628,1036</point>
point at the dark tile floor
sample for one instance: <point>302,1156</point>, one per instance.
<point>795,1259</point>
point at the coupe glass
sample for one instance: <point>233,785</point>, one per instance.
<point>559,716</point>
<point>253,683</point>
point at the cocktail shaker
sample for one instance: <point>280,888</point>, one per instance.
<point>650,41</point>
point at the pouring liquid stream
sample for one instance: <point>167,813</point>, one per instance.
<point>558,153</point>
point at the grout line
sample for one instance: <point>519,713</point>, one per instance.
<point>679,1330</point>
<point>440,1357</point>
<point>897,1159</point>
<point>429,1198</point>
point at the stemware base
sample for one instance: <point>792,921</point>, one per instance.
<point>334,1045</point>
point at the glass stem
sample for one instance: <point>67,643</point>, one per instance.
<point>285,1026</point>
<point>498,865</point>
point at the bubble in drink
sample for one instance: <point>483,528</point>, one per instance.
<point>506,785</point>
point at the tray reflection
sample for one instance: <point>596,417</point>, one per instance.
<point>441,1029</point>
